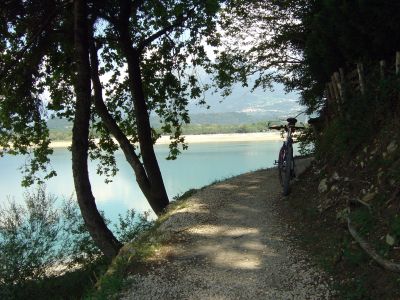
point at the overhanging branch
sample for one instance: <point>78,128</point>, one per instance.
<point>178,22</point>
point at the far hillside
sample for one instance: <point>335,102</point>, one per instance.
<point>202,123</point>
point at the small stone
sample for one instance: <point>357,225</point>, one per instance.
<point>384,154</point>
<point>368,197</point>
<point>390,240</point>
<point>323,186</point>
<point>334,188</point>
<point>362,164</point>
<point>392,147</point>
<point>335,176</point>
<point>365,150</point>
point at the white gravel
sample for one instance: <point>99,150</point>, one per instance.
<point>229,243</point>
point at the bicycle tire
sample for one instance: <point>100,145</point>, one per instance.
<point>289,165</point>
<point>281,164</point>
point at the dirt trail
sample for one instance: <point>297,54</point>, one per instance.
<point>229,243</point>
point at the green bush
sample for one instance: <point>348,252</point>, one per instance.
<point>28,238</point>
<point>130,226</point>
<point>45,247</point>
<point>306,140</point>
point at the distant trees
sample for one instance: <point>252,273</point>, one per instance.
<point>107,66</point>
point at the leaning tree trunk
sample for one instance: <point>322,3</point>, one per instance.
<point>110,123</point>
<point>154,189</point>
<point>158,196</point>
<point>95,224</point>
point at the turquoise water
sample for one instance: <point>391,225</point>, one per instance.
<point>200,165</point>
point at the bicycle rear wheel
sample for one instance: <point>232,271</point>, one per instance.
<point>288,170</point>
<point>281,165</point>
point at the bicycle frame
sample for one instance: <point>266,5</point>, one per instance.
<point>286,164</point>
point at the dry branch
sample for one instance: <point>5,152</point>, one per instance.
<point>384,263</point>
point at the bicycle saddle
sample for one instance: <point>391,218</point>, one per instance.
<point>292,121</point>
<point>313,121</point>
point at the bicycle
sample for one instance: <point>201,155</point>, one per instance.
<point>285,162</point>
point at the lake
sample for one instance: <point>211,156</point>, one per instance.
<point>200,165</point>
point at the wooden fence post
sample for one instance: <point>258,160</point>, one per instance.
<point>339,86</point>
<point>360,70</point>
<point>382,67</point>
<point>335,88</point>
<point>342,84</point>
<point>328,102</point>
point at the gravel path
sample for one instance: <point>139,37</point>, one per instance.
<point>229,243</point>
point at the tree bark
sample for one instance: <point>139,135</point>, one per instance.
<point>95,224</point>
<point>110,123</point>
<point>158,195</point>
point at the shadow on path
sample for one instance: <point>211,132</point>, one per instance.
<point>229,243</point>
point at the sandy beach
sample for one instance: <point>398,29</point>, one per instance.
<point>206,138</point>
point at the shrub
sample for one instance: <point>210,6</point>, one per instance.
<point>28,238</point>
<point>44,245</point>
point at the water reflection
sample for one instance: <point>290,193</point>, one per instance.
<point>196,167</point>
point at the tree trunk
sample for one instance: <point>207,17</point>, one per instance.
<point>158,195</point>
<point>95,224</point>
<point>115,130</point>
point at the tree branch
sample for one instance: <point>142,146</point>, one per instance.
<point>178,22</point>
<point>42,26</point>
<point>111,124</point>
<point>384,263</point>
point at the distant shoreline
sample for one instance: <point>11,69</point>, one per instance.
<point>205,138</point>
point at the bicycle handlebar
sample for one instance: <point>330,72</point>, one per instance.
<point>280,127</point>
<point>276,127</point>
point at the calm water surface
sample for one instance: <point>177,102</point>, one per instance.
<point>194,168</point>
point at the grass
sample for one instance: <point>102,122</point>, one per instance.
<point>132,257</point>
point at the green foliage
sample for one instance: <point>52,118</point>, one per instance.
<point>364,220</point>
<point>28,238</point>
<point>210,128</point>
<point>130,226</point>
<point>37,237</point>
<point>301,43</point>
<point>224,128</point>
<point>185,195</point>
<point>36,60</point>
<point>44,245</point>
<point>306,140</point>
